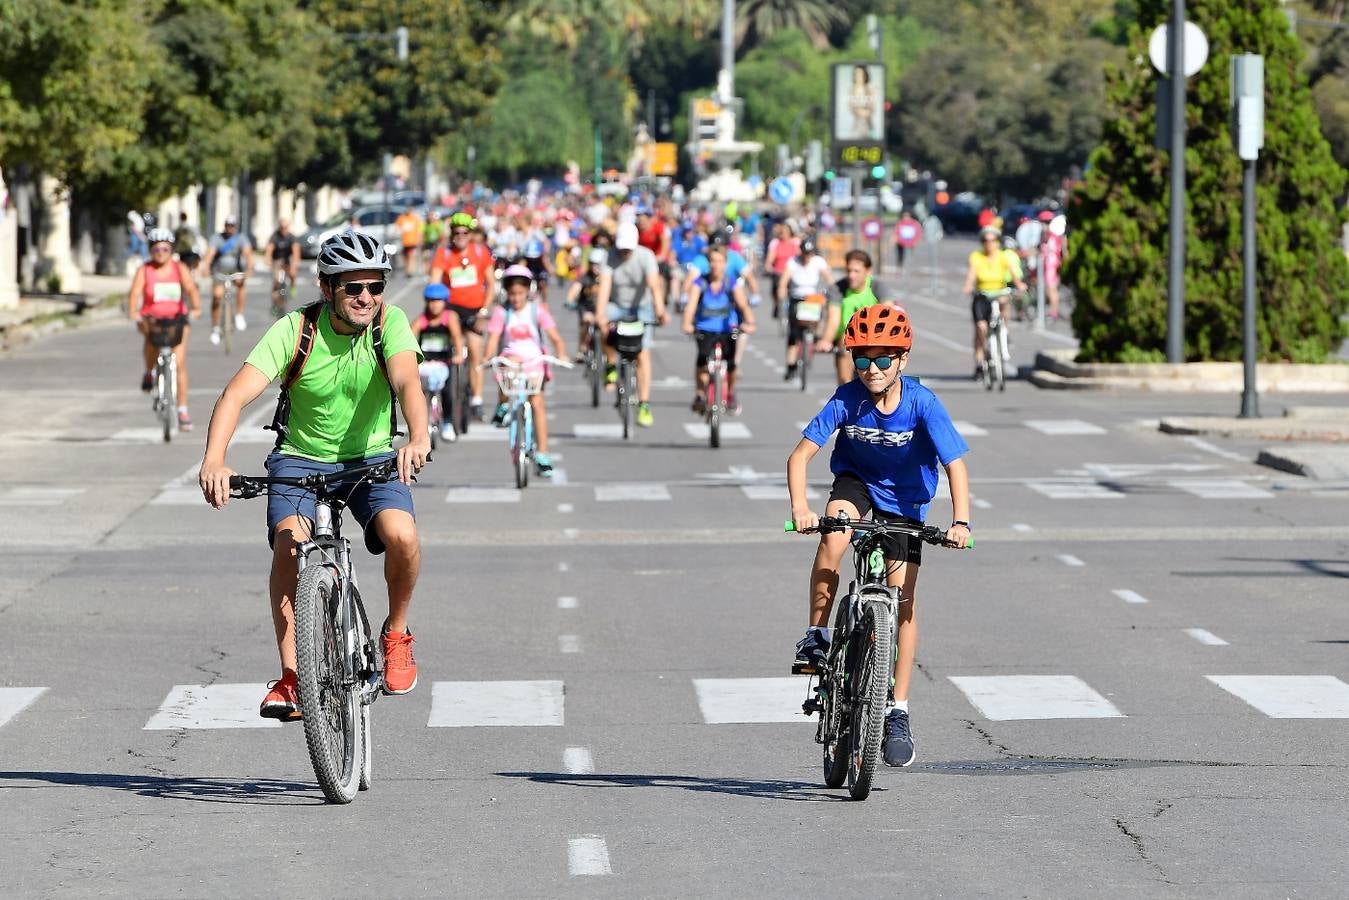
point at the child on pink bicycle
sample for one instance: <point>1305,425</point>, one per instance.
<point>515,333</point>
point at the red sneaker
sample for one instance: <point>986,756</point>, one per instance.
<point>283,700</point>
<point>400,669</point>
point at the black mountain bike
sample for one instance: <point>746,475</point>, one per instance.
<point>628,337</point>
<point>338,659</point>
<point>854,689</point>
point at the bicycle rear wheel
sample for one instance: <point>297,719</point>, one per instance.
<point>596,367</point>
<point>226,319</point>
<point>520,448</point>
<point>716,403</point>
<point>627,388</point>
<point>331,707</point>
<point>435,416</point>
<point>870,678</point>
<point>807,354</point>
<point>462,393</point>
<point>166,388</point>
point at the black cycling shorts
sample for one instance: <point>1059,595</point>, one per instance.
<point>898,547</point>
<point>796,329</point>
<point>982,307</point>
<point>708,340</point>
<point>468,318</point>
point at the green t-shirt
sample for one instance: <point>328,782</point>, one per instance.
<point>850,303</point>
<point>340,405</point>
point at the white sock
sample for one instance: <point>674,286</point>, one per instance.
<point>475,401</point>
<point>901,705</point>
<point>182,410</point>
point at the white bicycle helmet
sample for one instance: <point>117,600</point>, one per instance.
<point>159,236</point>
<point>352,251</point>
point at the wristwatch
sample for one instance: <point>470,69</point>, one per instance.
<point>966,524</point>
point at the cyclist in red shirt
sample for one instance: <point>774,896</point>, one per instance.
<point>465,267</point>
<point>654,236</point>
<point>164,288</point>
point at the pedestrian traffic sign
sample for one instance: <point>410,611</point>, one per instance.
<point>907,232</point>
<point>871,228</point>
<point>780,191</point>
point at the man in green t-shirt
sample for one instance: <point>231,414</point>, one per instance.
<point>854,292</point>
<point>341,415</point>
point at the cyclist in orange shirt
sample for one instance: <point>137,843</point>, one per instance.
<point>465,267</point>
<point>410,226</point>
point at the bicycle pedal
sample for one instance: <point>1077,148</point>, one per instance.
<point>804,669</point>
<point>811,706</point>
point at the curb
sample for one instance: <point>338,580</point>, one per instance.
<point>1056,370</point>
<point>1317,462</point>
<point>48,323</point>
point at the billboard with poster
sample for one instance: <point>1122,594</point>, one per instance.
<point>857,120</point>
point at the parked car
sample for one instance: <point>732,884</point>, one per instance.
<point>960,214</point>
<point>377,221</point>
<point>1016,214</point>
<point>873,201</point>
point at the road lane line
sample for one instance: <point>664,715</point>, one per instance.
<point>1022,527</point>
<point>473,704</point>
<point>773,492</point>
<point>632,491</point>
<point>565,507</point>
<point>1206,637</point>
<point>731,431</point>
<point>727,701</point>
<point>567,603</point>
<point>588,855</point>
<point>14,700</point>
<point>1069,560</point>
<point>1200,444</point>
<point>969,429</point>
<point>1074,490</point>
<point>1219,488</point>
<point>1004,698</point>
<point>591,432</point>
<point>1129,596</point>
<point>564,567</point>
<point>578,761</point>
<point>482,495</point>
<point>1290,696</point>
<point>981,503</point>
<point>557,478</point>
<point>1064,427</point>
<point>569,643</point>
<point>211,706</point>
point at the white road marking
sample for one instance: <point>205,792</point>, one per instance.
<point>969,429</point>
<point>41,496</point>
<point>564,567</point>
<point>1200,444</point>
<point>558,478</point>
<point>608,430</point>
<point>565,508</point>
<point>1022,527</point>
<point>1118,471</point>
<point>179,496</point>
<point>471,704</point>
<point>930,335</point>
<point>1009,697</point>
<point>1206,637</point>
<point>631,491</point>
<point>981,503</point>
<point>1290,696</point>
<point>569,643</point>
<point>567,603</point>
<point>1219,489</point>
<point>730,431</point>
<point>1069,560</point>
<point>14,700</point>
<point>211,706</point>
<point>773,492</point>
<point>482,495</point>
<point>485,434</point>
<point>1129,596</point>
<point>724,701</point>
<point>578,761</point>
<point>1063,427</point>
<point>138,436</point>
<point>1074,490</point>
<point>588,855</point>
<point>571,533</point>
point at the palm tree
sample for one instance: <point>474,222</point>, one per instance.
<point>756,20</point>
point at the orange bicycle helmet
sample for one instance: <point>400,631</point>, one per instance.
<point>879,325</point>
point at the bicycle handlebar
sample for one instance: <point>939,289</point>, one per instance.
<point>929,534</point>
<point>505,361</point>
<point>246,487</point>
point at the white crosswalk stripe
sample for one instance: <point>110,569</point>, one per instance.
<point>1074,490</point>
<point>593,432</point>
<point>725,701</point>
<point>773,492</point>
<point>631,491</point>
<point>40,496</point>
<point>1064,427</point>
<point>1011,697</point>
<point>470,704</point>
<point>1219,489</point>
<point>730,431</point>
<point>211,706</point>
<point>14,700</point>
<point>588,855</point>
<point>969,429</point>
<point>1290,696</point>
<point>482,495</point>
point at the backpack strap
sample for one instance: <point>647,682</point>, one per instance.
<point>377,340</point>
<point>304,346</point>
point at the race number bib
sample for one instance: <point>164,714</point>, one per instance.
<point>464,277</point>
<point>168,292</point>
<point>809,312</point>
<point>630,329</point>
<point>435,343</point>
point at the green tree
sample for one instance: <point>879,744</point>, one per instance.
<point>759,20</point>
<point>1117,253</point>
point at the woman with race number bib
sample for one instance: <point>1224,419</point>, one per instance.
<point>803,285</point>
<point>163,288</point>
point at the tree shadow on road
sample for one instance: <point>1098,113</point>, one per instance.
<point>761,789</point>
<point>252,791</point>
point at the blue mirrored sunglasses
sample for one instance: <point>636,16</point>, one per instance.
<point>882,362</point>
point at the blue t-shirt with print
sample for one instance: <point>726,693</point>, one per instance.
<point>896,455</point>
<point>687,245</point>
<point>716,311</point>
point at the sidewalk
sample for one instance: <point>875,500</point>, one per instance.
<point>103,297</point>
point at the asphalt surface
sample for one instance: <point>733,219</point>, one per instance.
<point>604,706</point>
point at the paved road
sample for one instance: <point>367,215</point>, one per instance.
<point>1136,685</point>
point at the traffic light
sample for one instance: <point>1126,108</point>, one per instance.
<point>878,171</point>
<point>828,174</point>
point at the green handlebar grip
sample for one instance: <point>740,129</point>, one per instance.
<point>969,545</point>
<point>789,526</point>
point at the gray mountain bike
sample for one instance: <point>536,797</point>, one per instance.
<point>338,658</point>
<point>165,334</point>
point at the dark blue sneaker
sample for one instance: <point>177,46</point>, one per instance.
<point>897,746</point>
<point>811,653</point>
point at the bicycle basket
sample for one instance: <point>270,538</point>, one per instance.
<point>166,332</point>
<point>513,379</point>
<point>628,337</point>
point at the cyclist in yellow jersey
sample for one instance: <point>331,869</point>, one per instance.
<point>992,269</point>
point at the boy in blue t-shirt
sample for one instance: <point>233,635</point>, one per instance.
<point>892,433</point>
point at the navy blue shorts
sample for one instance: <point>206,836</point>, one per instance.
<point>365,500</point>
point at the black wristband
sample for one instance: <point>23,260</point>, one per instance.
<point>966,524</point>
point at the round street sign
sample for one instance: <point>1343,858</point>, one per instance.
<point>1196,49</point>
<point>871,228</point>
<point>780,190</point>
<point>907,233</point>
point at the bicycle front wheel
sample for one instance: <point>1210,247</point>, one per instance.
<point>520,448</point>
<point>837,740</point>
<point>597,367</point>
<point>870,677</point>
<point>807,354</point>
<point>166,388</point>
<point>716,404</point>
<point>331,707</point>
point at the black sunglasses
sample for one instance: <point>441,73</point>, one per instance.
<point>355,288</point>
<point>882,362</point>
